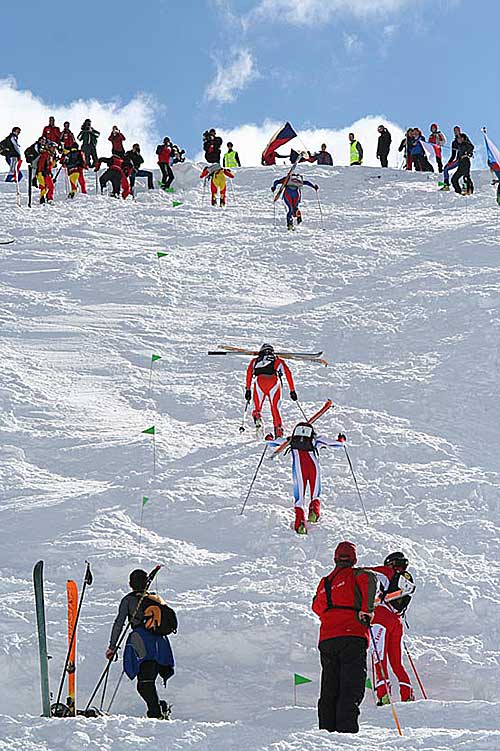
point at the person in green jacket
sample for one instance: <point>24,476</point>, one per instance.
<point>356,152</point>
<point>231,158</point>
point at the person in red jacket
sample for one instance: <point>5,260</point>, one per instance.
<point>44,167</point>
<point>439,140</point>
<point>344,603</point>
<point>387,625</point>
<point>164,153</point>
<point>117,138</point>
<point>218,182</point>
<point>67,138</point>
<point>268,369</point>
<point>51,132</point>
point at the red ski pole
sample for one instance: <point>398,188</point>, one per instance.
<point>413,667</point>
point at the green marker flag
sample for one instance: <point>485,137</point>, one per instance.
<point>299,679</point>
<point>368,683</point>
<point>149,431</point>
<point>161,255</point>
<point>169,190</point>
<point>145,499</point>
<point>154,358</point>
<point>176,203</point>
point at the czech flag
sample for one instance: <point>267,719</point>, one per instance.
<point>492,154</point>
<point>282,135</point>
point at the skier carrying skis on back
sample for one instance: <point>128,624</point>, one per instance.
<point>292,187</point>
<point>387,624</point>
<point>304,445</point>
<point>268,370</point>
<point>147,653</point>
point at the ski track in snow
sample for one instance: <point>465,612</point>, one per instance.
<point>402,292</point>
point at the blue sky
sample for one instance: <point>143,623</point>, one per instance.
<point>318,63</point>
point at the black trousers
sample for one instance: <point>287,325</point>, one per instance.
<point>463,170</point>
<point>146,686</point>
<point>167,176</point>
<point>383,159</point>
<point>343,677</point>
<point>90,155</point>
<point>113,176</point>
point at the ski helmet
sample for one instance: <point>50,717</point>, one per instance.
<point>345,553</point>
<point>396,560</point>
<point>266,349</point>
<point>138,579</point>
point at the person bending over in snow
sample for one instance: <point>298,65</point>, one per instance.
<point>147,653</point>
<point>304,445</point>
<point>115,174</point>
<point>292,194</point>
<point>268,369</point>
<point>387,624</point>
<point>218,182</point>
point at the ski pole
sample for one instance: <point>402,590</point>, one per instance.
<point>413,667</point>
<point>242,426</point>
<point>30,184</point>
<point>320,212</point>
<point>253,480</point>
<point>384,677</point>
<point>299,405</point>
<point>87,582</point>
<point>356,484</point>
<point>106,670</point>
<point>114,692</point>
<point>104,690</point>
<point>57,174</point>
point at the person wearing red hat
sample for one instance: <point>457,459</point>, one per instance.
<point>344,603</point>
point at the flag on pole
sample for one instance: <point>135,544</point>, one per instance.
<point>159,254</point>
<point>282,136</point>
<point>145,499</point>
<point>154,358</point>
<point>492,154</point>
<point>176,203</point>
<point>430,153</point>
<point>149,431</point>
<point>368,683</point>
<point>298,680</point>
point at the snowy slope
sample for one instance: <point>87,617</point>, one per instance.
<point>402,292</point>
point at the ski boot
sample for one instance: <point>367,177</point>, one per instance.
<point>72,194</point>
<point>278,431</point>
<point>298,216</point>
<point>222,202</point>
<point>314,511</point>
<point>409,697</point>
<point>289,225</point>
<point>42,199</point>
<point>445,188</point>
<point>166,710</point>
<point>214,201</point>
<point>300,521</point>
<point>383,700</point>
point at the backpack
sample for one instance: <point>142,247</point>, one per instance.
<point>264,365</point>
<point>158,616</point>
<point>295,181</point>
<point>5,145</point>
<point>354,595</point>
<point>31,153</point>
<point>404,581</point>
<point>303,437</point>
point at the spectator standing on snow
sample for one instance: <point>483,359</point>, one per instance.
<point>405,148</point>
<point>356,151</point>
<point>344,603</point>
<point>453,161</point>
<point>67,138</point>
<point>465,152</point>
<point>231,158</point>
<point>117,138</point>
<point>323,157</point>
<point>10,149</point>
<point>438,140</point>
<point>384,145</point>
<point>212,145</point>
<point>164,151</point>
<point>88,136</point>
<point>52,132</point>
<point>137,160</point>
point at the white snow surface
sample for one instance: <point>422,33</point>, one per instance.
<point>402,292</point>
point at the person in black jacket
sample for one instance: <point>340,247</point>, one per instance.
<point>153,652</point>
<point>384,145</point>
<point>88,136</point>
<point>212,145</point>
<point>134,156</point>
<point>465,151</point>
<point>454,160</point>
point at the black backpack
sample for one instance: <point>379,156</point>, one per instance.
<point>264,365</point>
<point>5,145</point>
<point>158,616</point>
<point>401,603</point>
<point>303,437</point>
<point>31,153</point>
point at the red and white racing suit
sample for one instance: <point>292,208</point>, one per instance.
<point>269,387</point>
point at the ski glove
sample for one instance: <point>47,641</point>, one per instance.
<point>273,188</point>
<point>365,618</point>
<point>341,437</point>
<point>316,187</point>
<point>293,396</point>
<point>248,394</point>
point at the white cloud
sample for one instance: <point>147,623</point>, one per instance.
<point>250,140</point>
<point>233,77</point>
<point>308,12</point>
<point>136,119</point>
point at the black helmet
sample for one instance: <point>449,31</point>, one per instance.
<point>267,349</point>
<point>397,560</point>
<point>138,580</point>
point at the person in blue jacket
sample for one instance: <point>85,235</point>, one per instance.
<point>147,654</point>
<point>292,194</point>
